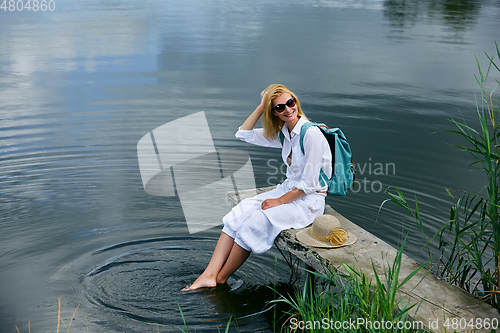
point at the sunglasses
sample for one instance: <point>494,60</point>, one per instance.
<point>281,107</point>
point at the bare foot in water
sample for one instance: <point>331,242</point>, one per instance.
<point>202,282</point>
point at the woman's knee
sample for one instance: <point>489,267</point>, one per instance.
<point>256,225</point>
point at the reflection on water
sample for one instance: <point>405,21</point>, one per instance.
<point>81,85</point>
<point>456,15</point>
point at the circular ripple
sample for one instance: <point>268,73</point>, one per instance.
<point>134,286</point>
<point>142,280</point>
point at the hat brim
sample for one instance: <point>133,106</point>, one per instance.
<point>305,237</point>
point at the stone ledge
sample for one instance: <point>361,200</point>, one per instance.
<point>440,300</point>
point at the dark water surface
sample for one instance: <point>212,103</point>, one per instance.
<point>80,85</point>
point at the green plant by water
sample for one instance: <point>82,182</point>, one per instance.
<point>470,240</point>
<point>350,301</point>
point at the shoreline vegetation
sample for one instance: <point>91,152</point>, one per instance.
<point>469,243</point>
<point>352,302</point>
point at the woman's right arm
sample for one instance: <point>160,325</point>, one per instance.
<point>248,133</point>
<point>249,124</point>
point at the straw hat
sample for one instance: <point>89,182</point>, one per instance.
<point>326,232</point>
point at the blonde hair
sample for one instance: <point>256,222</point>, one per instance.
<point>273,124</point>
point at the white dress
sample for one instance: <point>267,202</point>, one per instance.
<point>255,229</point>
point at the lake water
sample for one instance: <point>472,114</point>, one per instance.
<point>82,84</point>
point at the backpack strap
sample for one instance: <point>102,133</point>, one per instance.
<point>323,179</point>
<point>303,131</point>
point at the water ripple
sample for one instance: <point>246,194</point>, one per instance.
<point>142,280</point>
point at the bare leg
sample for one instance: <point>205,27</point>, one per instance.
<point>236,258</point>
<point>219,258</point>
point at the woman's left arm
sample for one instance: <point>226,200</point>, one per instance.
<point>285,198</point>
<point>316,150</point>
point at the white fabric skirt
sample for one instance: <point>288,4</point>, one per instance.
<point>255,229</point>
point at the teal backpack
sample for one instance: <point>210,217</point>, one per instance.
<point>343,167</point>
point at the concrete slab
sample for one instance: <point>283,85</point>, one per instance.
<point>440,301</point>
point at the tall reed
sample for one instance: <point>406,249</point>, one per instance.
<point>59,319</point>
<point>470,240</point>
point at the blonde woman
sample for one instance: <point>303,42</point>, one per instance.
<point>255,222</point>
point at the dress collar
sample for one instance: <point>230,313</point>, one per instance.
<point>296,128</point>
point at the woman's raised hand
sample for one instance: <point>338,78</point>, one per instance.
<point>263,100</point>
<point>249,124</point>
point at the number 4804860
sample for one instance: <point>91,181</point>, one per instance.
<point>30,5</point>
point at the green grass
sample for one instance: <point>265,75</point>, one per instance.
<point>351,297</point>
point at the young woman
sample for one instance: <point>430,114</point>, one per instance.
<point>255,222</point>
